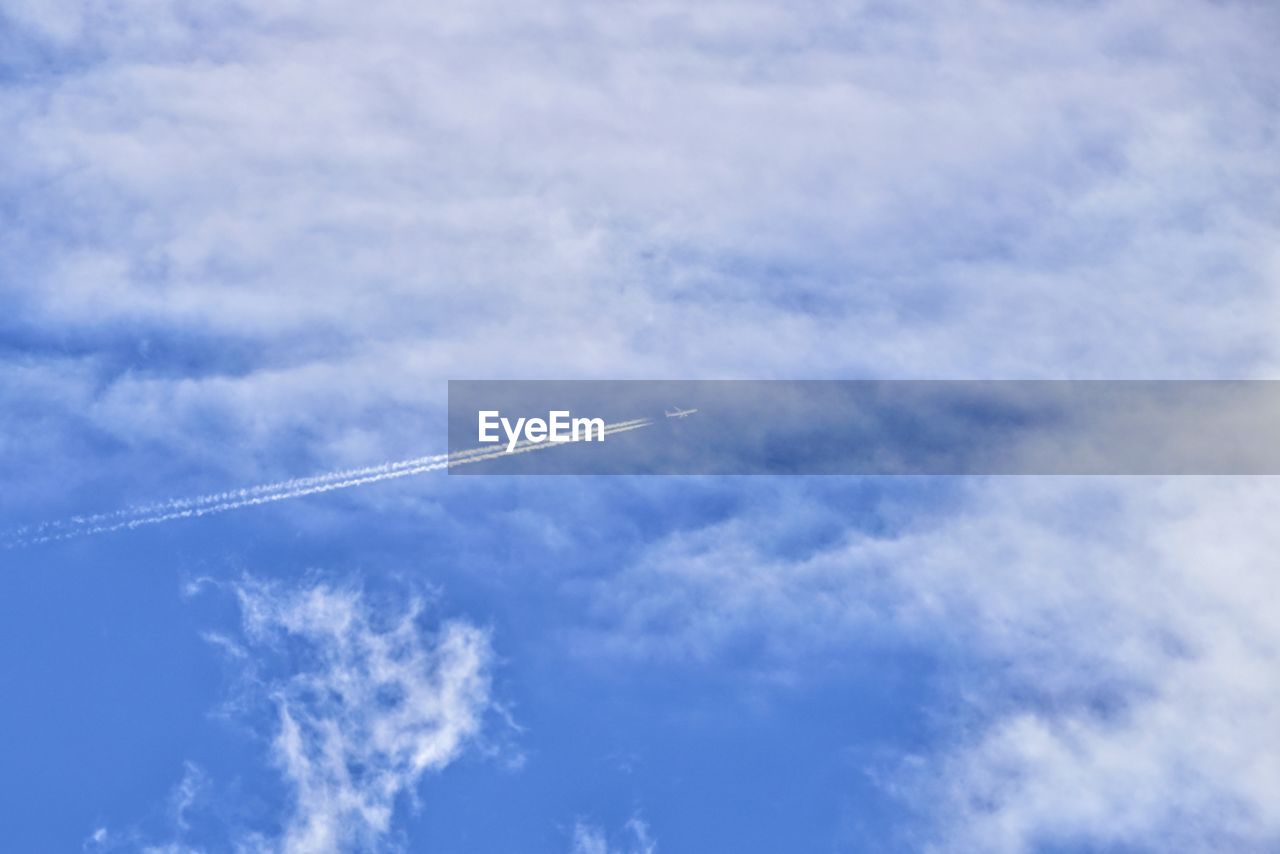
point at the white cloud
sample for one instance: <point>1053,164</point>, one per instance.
<point>362,700</point>
<point>184,798</point>
<point>1117,659</point>
<point>188,791</point>
<point>360,199</point>
<point>380,703</point>
<point>591,839</point>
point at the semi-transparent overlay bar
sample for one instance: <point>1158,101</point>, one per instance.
<point>864,427</point>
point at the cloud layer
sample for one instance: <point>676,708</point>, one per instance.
<point>268,221</point>
<point>1110,665</point>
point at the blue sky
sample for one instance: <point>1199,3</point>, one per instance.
<point>241,243</point>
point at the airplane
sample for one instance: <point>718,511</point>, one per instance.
<point>677,412</point>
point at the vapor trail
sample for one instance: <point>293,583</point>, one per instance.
<point>239,494</point>
<point>185,508</point>
<point>220,497</point>
<point>76,525</point>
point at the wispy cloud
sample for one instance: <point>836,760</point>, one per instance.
<point>634,839</point>
<point>384,703</point>
<point>185,796</point>
<point>357,703</point>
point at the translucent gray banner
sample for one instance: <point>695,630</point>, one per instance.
<point>865,427</point>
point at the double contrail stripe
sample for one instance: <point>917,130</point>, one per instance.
<point>185,508</point>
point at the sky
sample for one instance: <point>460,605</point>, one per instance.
<point>247,242</point>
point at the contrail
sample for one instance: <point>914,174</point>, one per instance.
<point>236,494</point>
<point>203,505</point>
<point>219,497</point>
<point>78,524</point>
